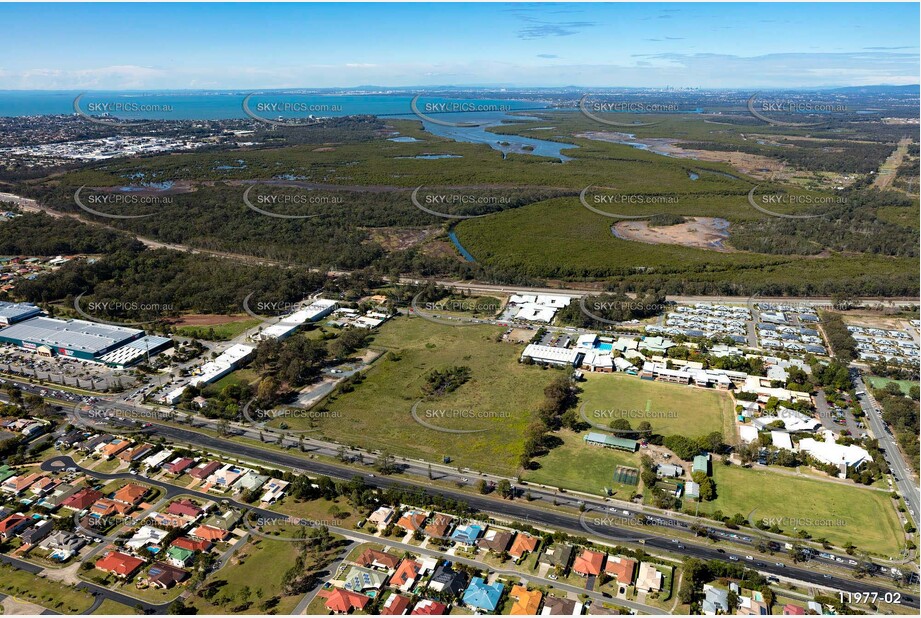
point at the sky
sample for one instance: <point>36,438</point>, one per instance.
<point>251,46</point>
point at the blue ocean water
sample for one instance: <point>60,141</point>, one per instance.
<point>228,105</point>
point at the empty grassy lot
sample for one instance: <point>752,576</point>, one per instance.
<point>49,594</point>
<point>253,576</point>
<point>837,511</point>
<point>498,401</point>
<point>669,408</point>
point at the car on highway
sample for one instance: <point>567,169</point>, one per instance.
<point>734,558</point>
<point>749,557</point>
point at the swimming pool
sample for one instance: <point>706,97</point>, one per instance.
<point>604,346</point>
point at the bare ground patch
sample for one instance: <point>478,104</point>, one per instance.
<point>698,232</point>
<point>208,319</point>
<point>398,239</point>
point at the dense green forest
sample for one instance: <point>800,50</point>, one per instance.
<point>143,284</point>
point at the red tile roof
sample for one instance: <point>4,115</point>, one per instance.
<point>412,521</point>
<point>83,499</point>
<point>373,557</point>
<point>185,542</point>
<point>210,533</point>
<point>395,605</point>
<point>179,466</point>
<point>793,610</point>
<point>427,607</point>
<point>130,494</point>
<point>204,470</point>
<point>621,568</point>
<point>408,570</point>
<point>524,542</point>
<point>343,601</point>
<point>12,523</point>
<point>588,562</point>
<point>121,564</point>
<point>184,507</point>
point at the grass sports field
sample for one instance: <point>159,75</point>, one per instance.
<point>837,511</point>
<point>498,400</point>
<point>878,382</point>
<point>580,467</point>
<point>669,408</point>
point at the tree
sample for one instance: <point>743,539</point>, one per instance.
<point>504,487</point>
<point>482,487</point>
<point>620,427</point>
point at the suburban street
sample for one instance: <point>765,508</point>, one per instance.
<point>522,511</point>
<point>906,481</point>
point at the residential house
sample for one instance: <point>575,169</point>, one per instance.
<point>226,521</point>
<point>561,606</point>
<point>341,601</point>
<point>38,532</point>
<point>427,607</point>
<point>113,448</point>
<point>381,517</point>
<point>251,481</point>
<point>412,521</point>
<point>184,508</point>
<point>210,533</point>
<point>523,544</point>
<point>17,484</point>
<point>620,568</point>
<point>191,544</point>
<point>359,579</point>
<point>439,525</point>
<point>527,602</point>
<point>274,490</point>
<point>43,486</point>
<point>179,465</point>
<point>131,494</point>
<point>225,476</point>
<point>374,558</point>
<point>91,444</point>
<point>793,610</point>
<point>145,537</point>
<point>180,557</point>
<point>482,596</point>
<point>83,499</point>
<point>204,470</point>
<point>557,555</point>
<point>649,579</point>
<point>716,601</point>
<point>119,564</point>
<point>467,534</point>
<point>395,605</point>
<point>407,575</point>
<point>62,544</point>
<point>447,580</point>
<point>133,454</point>
<point>12,525</point>
<point>163,575</point>
<point>588,563</point>
<point>496,541</point>
<point>71,438</point>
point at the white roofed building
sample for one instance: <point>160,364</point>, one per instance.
<point>561,357</point>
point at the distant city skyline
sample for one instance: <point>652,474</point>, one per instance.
<point>275,46</point>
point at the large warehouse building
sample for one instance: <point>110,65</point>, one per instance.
<point>73,338</point>
<point>10,313</point>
